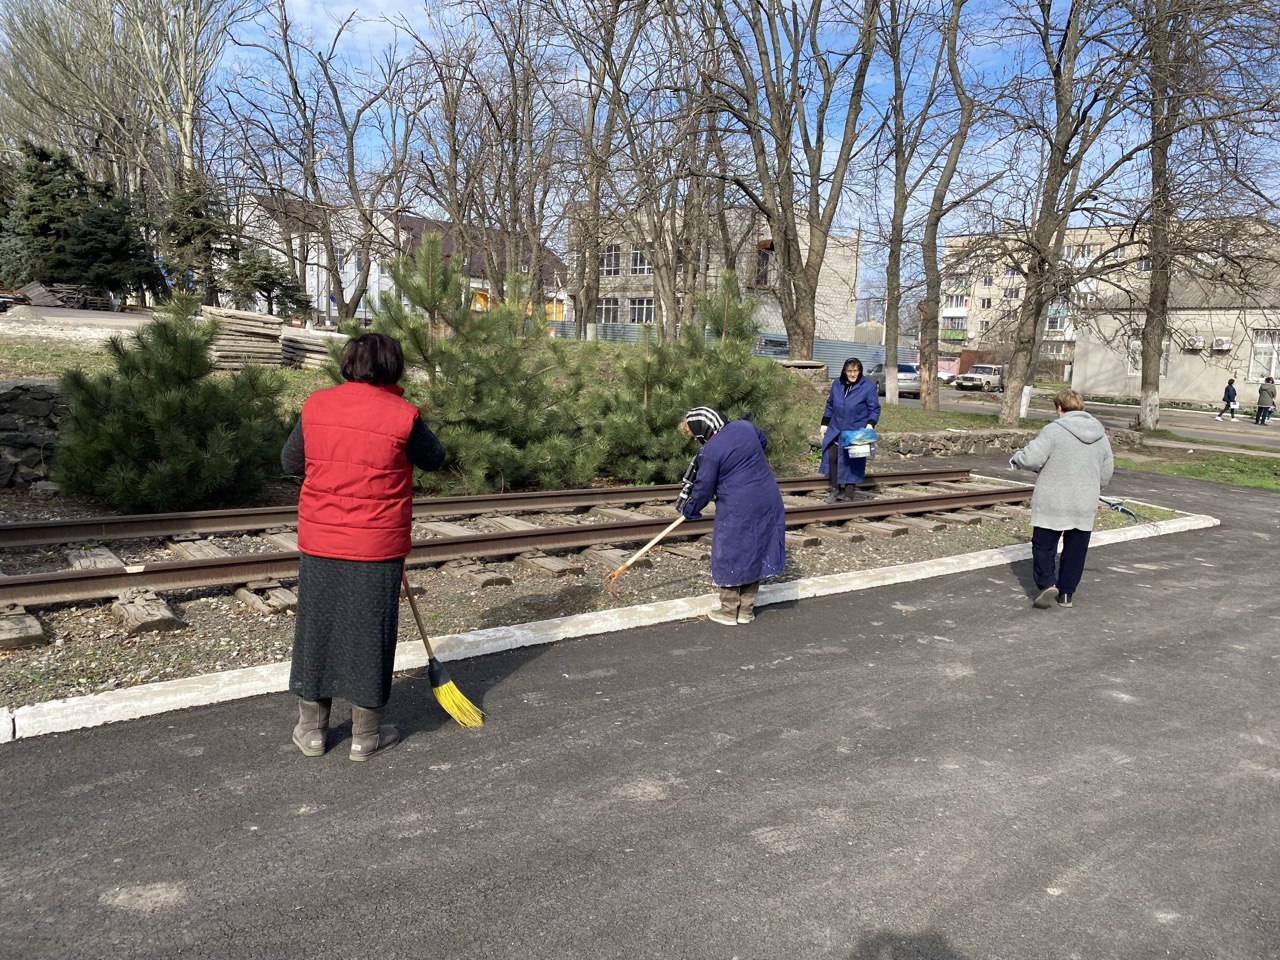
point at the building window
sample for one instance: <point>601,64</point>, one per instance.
<point>1068,251</point>
<point>1135,357</point>
<point>1055,323</point>
<point>1265,354</point>
<point>1143,265</point>
<point>640,265</point>
<point>607,309</point>
<point>611,261</point>
<point>955,300</point>
<point>1054,348</point>
<point>640,310</point>
<point>764,262</point>
<point>1012,293</point>
<point>988,280</point>
<point>984,326</point>
<point>1086,251</point>
<point>1010,271</point>
<point>1119,253</point>
<point>985,303</point>
<point>955,323</point>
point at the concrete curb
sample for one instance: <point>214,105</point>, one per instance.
<point>56,716</point>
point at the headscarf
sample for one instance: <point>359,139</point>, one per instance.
<point>862,370</point>
<point>703,423</point>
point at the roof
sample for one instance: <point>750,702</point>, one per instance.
<point>479,241</point>
<point>1259,290</point>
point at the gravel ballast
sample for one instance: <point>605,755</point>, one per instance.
<point>91,653</point>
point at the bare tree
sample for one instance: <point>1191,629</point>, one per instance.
<point>326,137</point>
<point>797,93</point>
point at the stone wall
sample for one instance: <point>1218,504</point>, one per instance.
<point>29,415</point>
<point>909,446</point>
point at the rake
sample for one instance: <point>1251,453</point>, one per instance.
<point>612,578</point>
<point>442,685</point>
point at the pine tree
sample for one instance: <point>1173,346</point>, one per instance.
<point>502,396</point>
<point>657,383</point>
<point>727,313</point>
<point>255,273</point>
<point>160,432</point>
<point>193,236</point>
<point>62,227</point>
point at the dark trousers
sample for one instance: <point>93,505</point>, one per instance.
<point>1262,415</point>
<point>1044,544</point>
<point>1226,406</point>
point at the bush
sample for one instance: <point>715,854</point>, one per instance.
<point>503,398</point>
<point>159,432</point>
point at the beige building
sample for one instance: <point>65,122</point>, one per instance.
<point>628,294</point>
<point>1215,333</point>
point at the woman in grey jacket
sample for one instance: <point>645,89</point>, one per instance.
<point>1072,458</point>
<point>1266,400</point>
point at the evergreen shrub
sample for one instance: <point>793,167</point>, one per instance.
<point>504,398</point>
<point>160,431</point>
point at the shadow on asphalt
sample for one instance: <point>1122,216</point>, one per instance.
<point>895,946</point>
<point>413,707</point>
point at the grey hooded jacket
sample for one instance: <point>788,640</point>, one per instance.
<point>1073,459</point>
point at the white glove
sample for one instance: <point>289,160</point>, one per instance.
<point>822,430</point>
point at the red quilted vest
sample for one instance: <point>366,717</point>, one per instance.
<point>357,493</point>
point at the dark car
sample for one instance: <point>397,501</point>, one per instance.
<point>908,379</point>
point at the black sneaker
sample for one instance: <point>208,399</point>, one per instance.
<point>1064,599</point>
<point>1044,599</point>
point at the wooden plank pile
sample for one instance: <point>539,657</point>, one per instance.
<point>309,351</point>
<point>245,337</point>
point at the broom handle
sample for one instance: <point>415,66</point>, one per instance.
<point>654,542</point>
<point>413,605</point>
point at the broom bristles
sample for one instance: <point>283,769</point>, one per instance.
<point>451,698</point>
<point>458,706</point>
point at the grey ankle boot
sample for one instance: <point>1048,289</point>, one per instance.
<point>369,735</point>
<point>727,613</point>
<point>312,731</point>
<point>747,601</point>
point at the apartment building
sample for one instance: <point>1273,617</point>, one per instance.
<point>984,286</point>
<point>628,293</point>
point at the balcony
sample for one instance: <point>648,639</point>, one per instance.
<point>953,334</point>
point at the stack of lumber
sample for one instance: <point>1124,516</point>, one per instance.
<point>244,338</point>
<point>40,295</point>
<point>306,349</point>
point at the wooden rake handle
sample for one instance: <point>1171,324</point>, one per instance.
<point>413,605</point>
<point>611,578</point>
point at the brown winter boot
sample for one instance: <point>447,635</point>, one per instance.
<point>369,735</point>
<point>728,612</point>
<point>312,731</point>
<point>747,602</point>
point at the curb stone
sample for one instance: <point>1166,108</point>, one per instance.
<point>56,716</point>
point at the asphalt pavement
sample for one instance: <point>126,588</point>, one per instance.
<point>930,770</point>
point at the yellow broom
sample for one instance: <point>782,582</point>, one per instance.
<point>611,578</point>
<point>442,685</point>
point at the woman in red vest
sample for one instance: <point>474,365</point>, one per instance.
<point>355,446</point>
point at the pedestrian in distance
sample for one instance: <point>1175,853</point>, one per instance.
<point>1229,401</point>
<point>853,403</point>
<point>1266,401</point>
<point>355,446</point>
<point>748,535</point>
<point>1072,459</point>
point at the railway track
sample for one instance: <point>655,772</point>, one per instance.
<point>210,522</point>
<point>522,539</point>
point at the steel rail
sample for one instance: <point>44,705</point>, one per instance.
<point>205,522</point>
<point>71,585</point>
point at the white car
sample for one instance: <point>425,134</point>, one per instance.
<point>981,376</point>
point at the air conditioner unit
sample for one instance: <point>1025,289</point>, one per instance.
<point>1221,343</point>
<point>1194,343</point>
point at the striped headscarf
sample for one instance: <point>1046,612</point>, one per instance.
<point>703,423</point>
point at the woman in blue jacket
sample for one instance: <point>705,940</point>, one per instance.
<point>852,404</point>
<point>748,535</point>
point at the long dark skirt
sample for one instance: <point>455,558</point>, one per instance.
<point>344,643</point>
